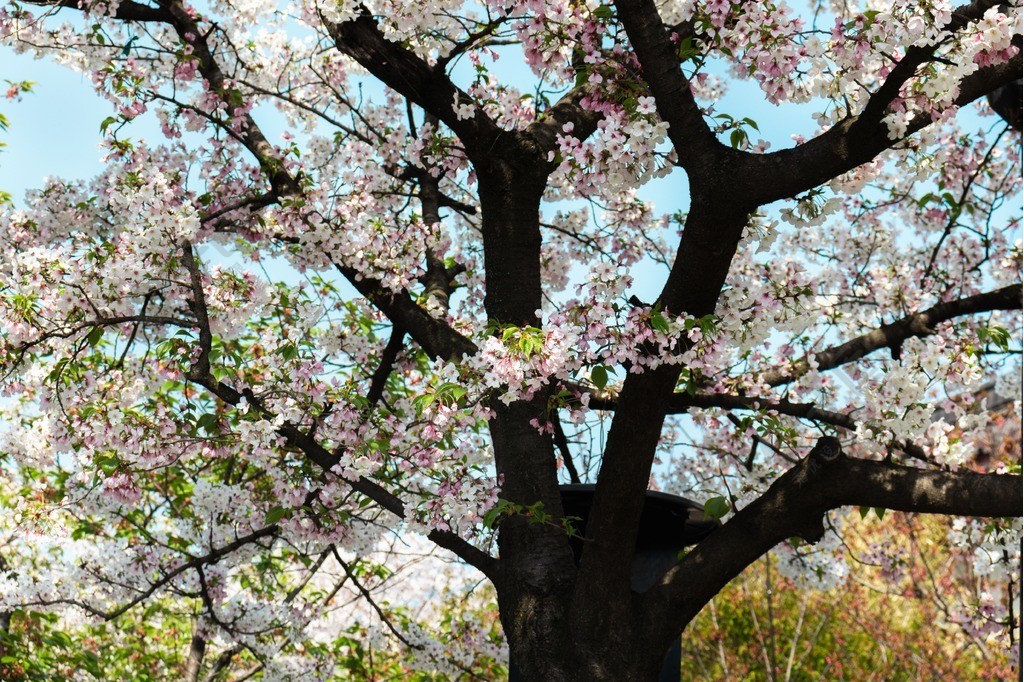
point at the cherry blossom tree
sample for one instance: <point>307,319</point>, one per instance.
<point>376,293</point>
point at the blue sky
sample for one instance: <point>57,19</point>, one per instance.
<point>54,131</point>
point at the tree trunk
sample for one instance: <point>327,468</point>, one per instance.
<point>196,653</point>
<point>537,564</point>
<point>615,655</point>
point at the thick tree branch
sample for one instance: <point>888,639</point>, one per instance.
<point>794,506</point>
<point>431,89</point>
<point>693,140</point>
<point>537,561</point>
<point>544,131</point>
<point>387,362</point>
<point>250,134</point>
<point>201,367</point>
<point>222,662</point>
<point>408,74</point>
<point>893,335</point>
<point>763,178</point>
<point>436,281</point>
<point>129,10</point>
<point>706,249</point>
<point>435,336</point>
<point>562,443</point>
<point>326,460</point>
<point>196,653</point>
<point>703,257</point>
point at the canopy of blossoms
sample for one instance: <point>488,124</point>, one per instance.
<point>377,290</point>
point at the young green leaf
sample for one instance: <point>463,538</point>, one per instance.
<point>275,514</point>
<point>717,507</point>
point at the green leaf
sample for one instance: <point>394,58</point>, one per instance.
<point>275,514</point>
<point>500,510</point>
<point>422,402</point>
<point>91,663</point>
<point>659,322</point>
<point>207,422</point>
<point>94,336</point>
<point>108,463</point>
<point>604,12</point>
<point>717,507</point>
<point>491,518</point>
<point>599,377</point>
<point>995,335</point>
<point>864,511</point>
<point>288,351</point>
<point>686,49</point>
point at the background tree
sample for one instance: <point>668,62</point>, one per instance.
<point>236,368</point>
<point>898,614</point>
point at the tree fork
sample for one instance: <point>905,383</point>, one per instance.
<point>794,506</point>
<point>705,253</point>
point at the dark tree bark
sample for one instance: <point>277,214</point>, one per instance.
<point>196,653</point>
